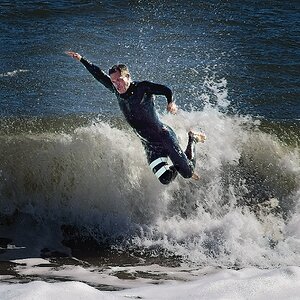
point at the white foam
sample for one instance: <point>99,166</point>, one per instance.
<point>13,73</point>
<point>248,283</point>
<point>228,284</point>
<point>97,180</point>
<point>38,290</point>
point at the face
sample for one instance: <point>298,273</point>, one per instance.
<point>121,83</point>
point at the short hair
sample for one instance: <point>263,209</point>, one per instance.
<point>123,69</point>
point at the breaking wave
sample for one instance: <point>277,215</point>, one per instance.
<point>93,183</point>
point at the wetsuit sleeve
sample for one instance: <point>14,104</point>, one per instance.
<point>159,89</point>
<point>98,74</point>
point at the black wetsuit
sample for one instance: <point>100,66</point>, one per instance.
<point>158,139</point>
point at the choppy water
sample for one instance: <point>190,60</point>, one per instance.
<point>71,170</point>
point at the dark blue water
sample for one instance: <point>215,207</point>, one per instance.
<point>253,45</point>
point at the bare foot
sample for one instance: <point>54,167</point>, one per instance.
<point>198,136</point>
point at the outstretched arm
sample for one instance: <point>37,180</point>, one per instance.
<point>94,70</point>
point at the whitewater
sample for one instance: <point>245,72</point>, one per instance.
<point>234,234</point>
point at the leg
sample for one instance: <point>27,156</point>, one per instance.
<point>194,138</point>
<point>180,160</point>
<point>190,150</point>
<point>157,159</point>
<point>183,162</point>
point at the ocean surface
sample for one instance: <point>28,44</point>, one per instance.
<point>75,187</point>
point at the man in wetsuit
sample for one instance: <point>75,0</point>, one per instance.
<point>136,100</point>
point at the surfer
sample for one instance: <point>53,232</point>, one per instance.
<point>136,101</point>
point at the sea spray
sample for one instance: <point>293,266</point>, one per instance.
<point>94,183</point>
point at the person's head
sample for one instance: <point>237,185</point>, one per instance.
<point>120,77</point>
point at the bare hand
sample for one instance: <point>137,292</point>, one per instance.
<point>172,108</point>
<point>74,55</point>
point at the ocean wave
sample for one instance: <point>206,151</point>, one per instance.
<point>81,182</point>
<point>13,73</point>
<point>93,183</point>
